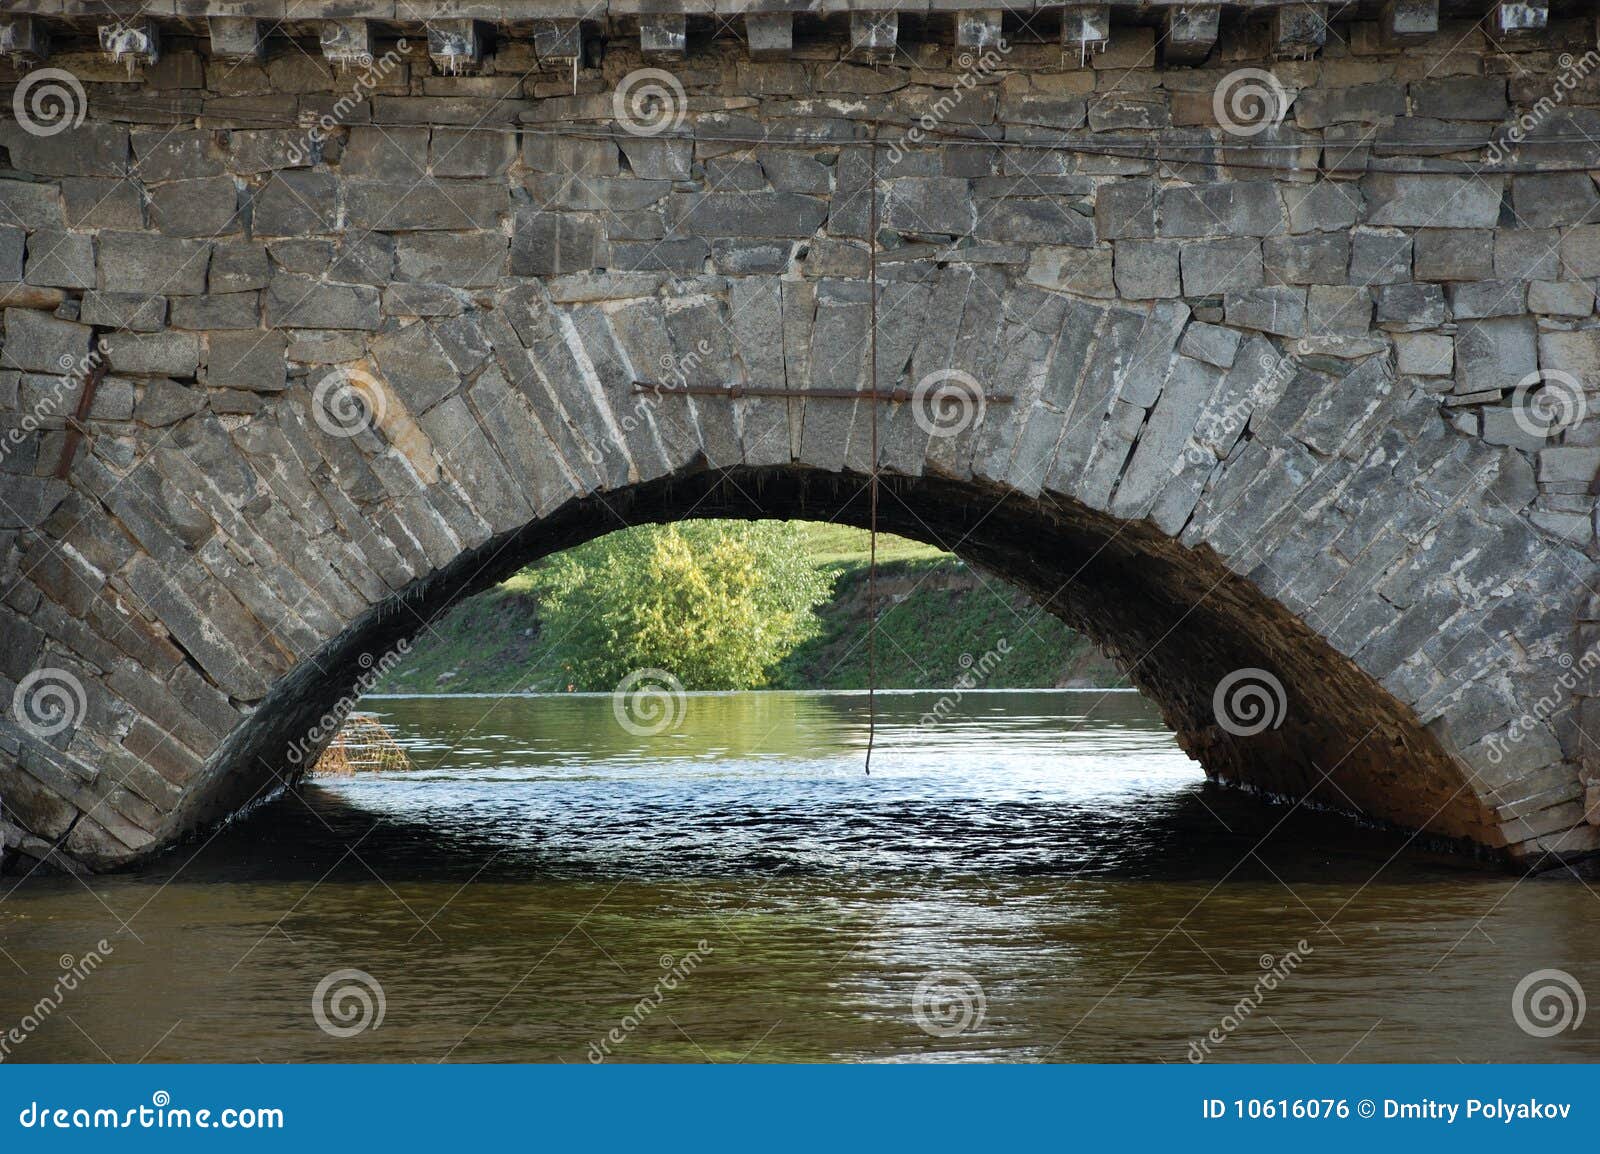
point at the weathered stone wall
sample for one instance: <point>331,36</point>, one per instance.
<point>1263,384</point>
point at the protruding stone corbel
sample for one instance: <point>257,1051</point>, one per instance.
<point>770,35</point>
<point>454,45</point>
<point>236,37</point>
<point>558,41</point>
<point>347,42</point>
<point>1299,30</point>
<point>1511,19</point>
<point>874,35</point>
<point>136,41</point>
<point>23,38</point>
<point>1191,33</point>
<point>979,28</point>
<point>1407,21</point>
<point>664,35</point>
<point>1086,28</point>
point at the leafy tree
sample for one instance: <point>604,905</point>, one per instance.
<point>715,603</point>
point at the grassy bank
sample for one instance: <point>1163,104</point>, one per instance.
<point>937,618</point>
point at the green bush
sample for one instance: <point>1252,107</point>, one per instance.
<point>718,604</point>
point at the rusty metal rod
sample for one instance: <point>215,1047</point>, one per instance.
<point>75,425</point>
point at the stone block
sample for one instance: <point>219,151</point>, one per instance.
<point>163,354</point>
<point>295,301</point>
<point>1217,266</point>
<point>207,207</point>
<point>1309,258</point>
<point>1576,353</point>
<point>464,260</point>
<point>1326,206</point>
<point>1212,344</point>
<point>113,204</point>
<point>1424,354</point>
<point>1125,209</point>
<point>1452,255</point>
<point>37,342</point>
<point>1473,300</point>
<point>1494,354</point>
<point>1460,98</point>
<point>296,203</point>
<point>239,268</point>
<point>1572,298</point>
<point>1083,271</point>
<point>1433,202</point>
<point>1411,305</point>
<point>1361,104</point>
<point>1379,257</point>
<point>554,244</point>
<point>1527,254</point>
<point>217,311</point>
<point>13,246</point>
<point>1146,269</point>
<point>1279,310</point>
<point>444,206</point>
<point>1339,310</point>
<point>132,311</point>
<point>59,259</point>
<point>1554,199</point>
<point>247,359</point>
<point>768,214</point>
<point>1229,209</point>
<point>144,263</point>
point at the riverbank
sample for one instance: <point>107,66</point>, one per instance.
<point>939,620</point>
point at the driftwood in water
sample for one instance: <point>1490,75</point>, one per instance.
<point>363,745</point>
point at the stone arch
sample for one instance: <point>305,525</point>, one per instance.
<point>1280,475</point>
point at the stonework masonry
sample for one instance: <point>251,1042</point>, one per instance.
<point>309,330</point>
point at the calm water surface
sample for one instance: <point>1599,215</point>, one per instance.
<point>1046,872</point>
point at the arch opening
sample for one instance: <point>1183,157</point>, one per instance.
<point>1176,619</point>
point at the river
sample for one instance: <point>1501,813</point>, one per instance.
<point>1023,876</point>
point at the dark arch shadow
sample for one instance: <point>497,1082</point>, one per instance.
<point>1176,619</point>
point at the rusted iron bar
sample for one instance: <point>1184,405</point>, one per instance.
<point>75,424</point>
<point>734,392</point>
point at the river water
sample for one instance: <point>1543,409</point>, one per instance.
<point>1029,876</point>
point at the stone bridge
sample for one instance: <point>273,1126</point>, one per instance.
<point>1256,342</point>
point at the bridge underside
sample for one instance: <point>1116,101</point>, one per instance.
<point>299,346</point>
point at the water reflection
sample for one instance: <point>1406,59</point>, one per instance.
<point>523,888</point>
